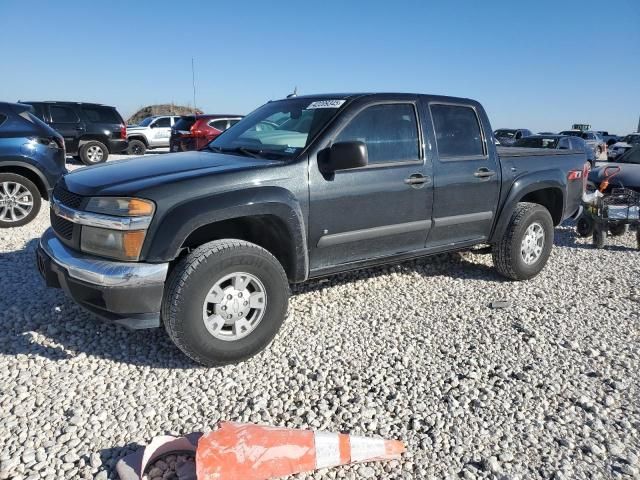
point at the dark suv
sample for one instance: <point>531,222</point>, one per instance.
<point>91,131</point>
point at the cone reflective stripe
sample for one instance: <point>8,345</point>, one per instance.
<point>254,452</point>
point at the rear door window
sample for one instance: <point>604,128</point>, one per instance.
<point>184,123</point>
<point>101,115</point>
<point>164,122</point>
<point>38,111</point>
<point>458,133</point>
<point>62,114</point>
<point>3,118</point>
<point>390,132</point>
<point>219,124</point>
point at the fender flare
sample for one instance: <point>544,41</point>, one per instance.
<point>242,203</point>
<point>138,136</point>
<point>523,185</point>
<point>20,163</point>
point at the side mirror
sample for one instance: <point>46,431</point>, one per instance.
<point>343,156</point>
<point>153,125</point>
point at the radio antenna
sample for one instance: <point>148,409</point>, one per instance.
<point>193,81</point>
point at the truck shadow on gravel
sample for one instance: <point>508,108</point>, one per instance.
<point>39,321</point>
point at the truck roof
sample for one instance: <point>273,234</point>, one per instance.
<point>353,95</point>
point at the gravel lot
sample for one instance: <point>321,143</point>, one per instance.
<point>546,388</point>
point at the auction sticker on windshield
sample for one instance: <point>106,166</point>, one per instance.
<point>326,104</point>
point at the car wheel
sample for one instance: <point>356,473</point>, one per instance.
<point>136,147</point>
<point>526,244</point>
<point>584,226</point>
<point>599,237</point>
<point>225,301</point>
<point>20,200</point>
<point>93,152</point>
<point>617,229</point>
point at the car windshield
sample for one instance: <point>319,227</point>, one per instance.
<point>536,142</point>
<point>277,130</point>
<point>145,122</point>
<point>505,133</point>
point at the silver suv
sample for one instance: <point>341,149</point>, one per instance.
<point>152,132</point>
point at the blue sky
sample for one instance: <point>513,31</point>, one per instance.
<point>541,65</point>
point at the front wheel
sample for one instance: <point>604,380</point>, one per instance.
<point>584,226</point>
<point>617,229</point>
<point>526,244</point>
<point>136,147</point>
<point>19,200</point>
<point>225,302</point>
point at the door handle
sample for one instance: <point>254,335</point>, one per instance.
<point>484,173</point>
<point>417,180</point>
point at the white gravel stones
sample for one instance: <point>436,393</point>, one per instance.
<point>546,388</point>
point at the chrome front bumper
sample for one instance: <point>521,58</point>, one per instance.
<point>129,293</point>
<point>101,272</point>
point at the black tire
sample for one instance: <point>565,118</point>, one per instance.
<point>507,257</point>
<point>136,147</point>
<point>87,153</point>
<point>190,282</point>
<point>5,216</point>
<point>600,237</point>
<point>617,229</point>
<point>584,226</point>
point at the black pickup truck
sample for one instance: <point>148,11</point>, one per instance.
<point>207,242</point>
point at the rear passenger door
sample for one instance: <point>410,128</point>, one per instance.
<point>466,176</point>
<point>378,210</point>
<point>65,120</point>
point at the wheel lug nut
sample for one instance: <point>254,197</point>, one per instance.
<point>245,303</point>
<point>229,317</point>
<point>240,295</point>
<point>224,307</point>
<point>229,297</point>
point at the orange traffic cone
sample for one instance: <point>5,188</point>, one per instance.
<point>252,452</point>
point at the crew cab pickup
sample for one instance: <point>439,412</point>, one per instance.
<point>208,242</point>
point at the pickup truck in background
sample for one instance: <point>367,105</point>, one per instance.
<point>152,132</point>
<point>207,242</point>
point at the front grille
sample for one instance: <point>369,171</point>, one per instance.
<point>62,227</point>
<point>66,197</point>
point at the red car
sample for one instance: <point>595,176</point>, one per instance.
<point>192,132</point>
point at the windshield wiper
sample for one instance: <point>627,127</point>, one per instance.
<point>247,152</point>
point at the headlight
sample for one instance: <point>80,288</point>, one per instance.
<point>121,206</point>
<point>120,228</point>
<point>118,244</point>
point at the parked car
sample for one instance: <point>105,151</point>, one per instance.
<point>32,160</point>
<point>629,175</point>
<point>506,136</point>
<point>608,138</point>
<point>91,131</point>
<point>560,142</point>
<point>152,132</point>
<point>622,146</point>
<point>546,133</point>
<point>193,132</point>
<point>209,241</point>
<point>592,139</point>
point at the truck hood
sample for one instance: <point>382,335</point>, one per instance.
<point>135,128</point>
<point>127,177</point>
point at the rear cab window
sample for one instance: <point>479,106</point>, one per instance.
<point>458,133</point>
<point>390,132</point>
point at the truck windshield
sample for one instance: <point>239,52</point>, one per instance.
<point>536,142</point>
<point>505,133</point>
<point>277,130</point>
<point>145,122</point>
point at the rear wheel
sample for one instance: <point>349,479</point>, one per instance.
<point>617,229</point>
<point>93,152</point>
<point>20,200</point>
<point>136,147</point>
<point>526,244</point>
<point>225,302</point>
